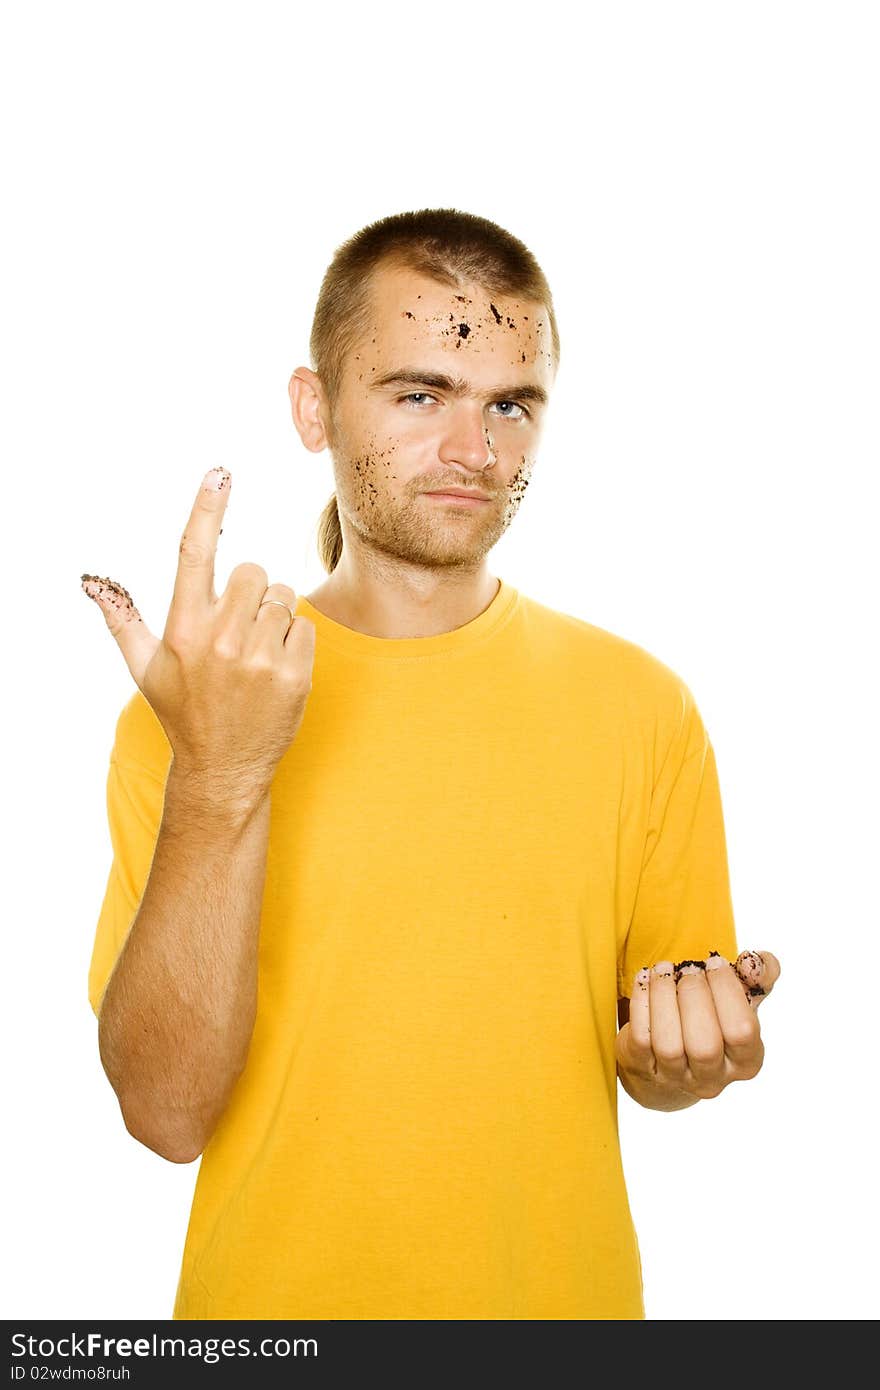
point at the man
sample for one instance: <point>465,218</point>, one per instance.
<point>394,859</point>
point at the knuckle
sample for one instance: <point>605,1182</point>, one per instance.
<point>177,639</point>
<point>667,1056</point>
<point>114,623</point>
<point>248,571</point>
<point>225,647</point>
<point>193,552</point>
<point>745,1034</point>
<point>298,682</point>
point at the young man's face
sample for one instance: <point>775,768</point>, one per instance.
<point>394,441</point>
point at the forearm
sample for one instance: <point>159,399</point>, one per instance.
<point>178,1013</point>
<point>654,1095</point>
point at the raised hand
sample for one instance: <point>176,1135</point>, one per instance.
<point>693,1028</point>
<point>230,676</point>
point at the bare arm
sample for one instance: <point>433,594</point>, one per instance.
<point>177,1015</point>
<point>228,681</point>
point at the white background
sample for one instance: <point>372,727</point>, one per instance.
<point>699,183</point>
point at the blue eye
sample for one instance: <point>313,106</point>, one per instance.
<point>411,397</point>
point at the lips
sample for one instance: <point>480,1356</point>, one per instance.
<point>459,492</point>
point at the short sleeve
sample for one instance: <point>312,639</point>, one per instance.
<point>683,906</point>
<point>135,801</point>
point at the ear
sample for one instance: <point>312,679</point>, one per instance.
<point>308,405</point>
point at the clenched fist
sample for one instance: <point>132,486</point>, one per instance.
<point>692,1028</point>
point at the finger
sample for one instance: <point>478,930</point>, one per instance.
<point>194,581</point>
<point>133,637</point>
<point>770,972</point>
<point>299,645</point>
<point>737,1017</point>
<point>639,1053</point>
<point>276,611</point>
<point>667,1042</point>
<point>758,972</point>
<point>700,1029</point>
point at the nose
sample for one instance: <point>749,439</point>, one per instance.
<point>466,440</point>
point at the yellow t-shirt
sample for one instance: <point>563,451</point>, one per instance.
<point>476,840</point>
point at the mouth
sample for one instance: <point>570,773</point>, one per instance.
<point>461,496</point>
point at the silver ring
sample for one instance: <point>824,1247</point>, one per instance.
<point>283,605</point>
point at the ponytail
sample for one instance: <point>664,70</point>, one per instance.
<point>330,535</point>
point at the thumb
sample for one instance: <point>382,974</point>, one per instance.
<point>759,971</point>
<point>134,639</point>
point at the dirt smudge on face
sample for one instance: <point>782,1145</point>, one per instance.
<point>516,489</point>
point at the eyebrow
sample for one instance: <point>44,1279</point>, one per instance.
<point>457,386</point>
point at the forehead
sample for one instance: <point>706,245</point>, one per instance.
<point>414,314</point>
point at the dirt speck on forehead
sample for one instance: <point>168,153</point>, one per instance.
<point>473,328</point>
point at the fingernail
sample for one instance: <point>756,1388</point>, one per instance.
<point>107,591</point>
<point>749,965</point>
<point>663,967</point>
<point>689,967</point>
<point>215,479</point>
<point>643,976</point>
<point>714,961</point>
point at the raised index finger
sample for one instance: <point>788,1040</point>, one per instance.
<point>194,582</point>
